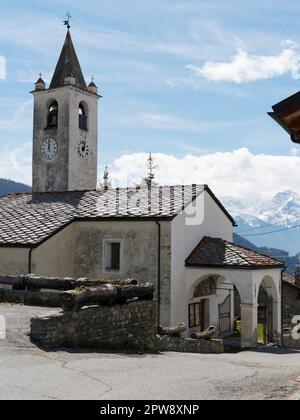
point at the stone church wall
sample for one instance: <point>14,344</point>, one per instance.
<point>14,261</point>
<point>140,254</point>
<point>77,251</point>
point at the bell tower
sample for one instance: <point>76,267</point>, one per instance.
<point>65,128</point>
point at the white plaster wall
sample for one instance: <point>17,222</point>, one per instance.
<point>55,257</point>
<point>201,218</point>
<point>272,281</point>
<point>260,275</point>
<point>14,261</point>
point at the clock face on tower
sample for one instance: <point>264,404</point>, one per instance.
<point>49,148</point>
<point>83,149</point>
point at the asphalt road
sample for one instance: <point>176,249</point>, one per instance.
<point>27,372</point>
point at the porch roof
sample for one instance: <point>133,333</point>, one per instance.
<point>218,253</point>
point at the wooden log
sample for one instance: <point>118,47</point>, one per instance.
<point>51,283</point>
<point>205,335</point>
<point>33,282</point>
<point>142,292</point>
<point>172,331</point>
<point>76,299</point>
<point>107,294</point>
<point>96,283</point>
<point>15,281</point>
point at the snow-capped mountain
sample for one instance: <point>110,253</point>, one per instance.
<point>272,223</point>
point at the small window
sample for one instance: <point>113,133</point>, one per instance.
<point>112,256</point>
<point>52,119</point>
<point>83,118</point>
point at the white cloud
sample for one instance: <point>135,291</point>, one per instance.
<point>245,67</point>
<point>238,173</point>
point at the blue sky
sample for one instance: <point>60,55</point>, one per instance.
<point>191,80</point>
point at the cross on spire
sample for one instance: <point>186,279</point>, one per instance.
<point>67,22</point>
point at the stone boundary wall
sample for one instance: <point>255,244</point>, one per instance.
<point>128,327</point>
<point>188,345</point>
<point>25,297</point>
<point>132,326</point>
<point>290,343</point>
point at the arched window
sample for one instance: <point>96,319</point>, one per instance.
<point>207,287</point>
<point>83,117</point>
<point>52,119</point>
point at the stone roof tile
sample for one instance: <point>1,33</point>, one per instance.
<point>68,66</point>
<point>29,219</point>
<point>214,252</point>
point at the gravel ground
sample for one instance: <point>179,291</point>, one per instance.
<point>27,372</point>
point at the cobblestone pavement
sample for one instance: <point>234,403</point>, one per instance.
<point>28,372</point>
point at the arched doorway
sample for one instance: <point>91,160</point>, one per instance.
<point>212,304</point>
<point>264,317</point>
<point>267,316</point>
<point>203,293</point>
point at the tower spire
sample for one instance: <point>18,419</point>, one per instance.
<point>68,70</point>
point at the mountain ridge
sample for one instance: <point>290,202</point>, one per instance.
<point>279,254</point>
<point>8,186</point>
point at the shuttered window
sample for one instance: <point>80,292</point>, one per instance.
<point>112,256</point>
<point>115,256</point>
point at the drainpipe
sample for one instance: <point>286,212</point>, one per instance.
<point>158,270</point>
<point>30,260</point>
<point>282,308</point>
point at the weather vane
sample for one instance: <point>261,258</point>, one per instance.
<point>67,22</point>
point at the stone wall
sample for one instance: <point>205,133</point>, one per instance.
<point>139,257</point>
<point>48,299</point>
<point>291,302</point>
<point>186,345</point>
<point>290,343</point>
<point>131,327</point>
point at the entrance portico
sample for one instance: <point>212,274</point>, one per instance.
<point>217,268</point>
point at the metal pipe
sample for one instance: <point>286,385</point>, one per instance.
<point>158,270</point>
<point>30,260</point>
<point>282,307</point>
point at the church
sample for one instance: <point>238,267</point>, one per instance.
<point>179,237</point>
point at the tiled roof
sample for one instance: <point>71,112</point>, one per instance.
<point>290,280</point>
<point>68,66</point>
<point>27,219</point>
<point>213,252</point>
